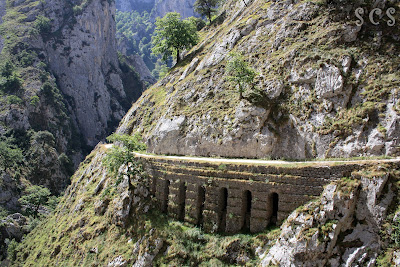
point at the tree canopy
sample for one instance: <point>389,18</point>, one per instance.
<point>172,35</point>
<point>10,155</point>
<point>239,72</point>
<point>122,153</point>
<point>9,80</point>
<point>206,7</point>
<point>36,196</point>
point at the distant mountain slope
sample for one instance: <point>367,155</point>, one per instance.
<point>159,7</point>
<point>2,12</point>
<point>135,27</point>
<point>62,89</point>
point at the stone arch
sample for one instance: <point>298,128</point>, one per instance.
<point>153,185</point>
<point>223,207</point>
<point>247,200</point>
<point>274,207</point>
<point>182,201</point>
<point>201,198</point>
<point>165,194</point>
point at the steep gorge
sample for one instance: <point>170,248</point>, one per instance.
<point>72,67</point>
<point>63,87</point>
<point>326,88</point>
<point>135,28</point>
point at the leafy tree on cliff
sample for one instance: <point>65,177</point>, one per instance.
<point>10,156</point>
<point>239,73</point>
<point>9,80</point>
<point>173,35</point>
<point>36,196</point>
<point>123,152</point>
<point>206,7</point>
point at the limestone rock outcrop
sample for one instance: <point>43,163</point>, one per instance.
<point>343,228</point>
<point>313,97</point>
<point>84,58</point>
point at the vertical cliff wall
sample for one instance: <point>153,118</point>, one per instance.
<point>318,93</point>
<point>184,7</point>
<point>84,59</point>
<point>72,87</point>
<point>161,7</point>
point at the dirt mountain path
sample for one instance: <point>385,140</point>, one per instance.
<point>260,161</point>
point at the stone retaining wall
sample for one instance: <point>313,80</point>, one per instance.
<point>235,197</point>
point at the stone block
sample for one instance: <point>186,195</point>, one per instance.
<point>258,224</point>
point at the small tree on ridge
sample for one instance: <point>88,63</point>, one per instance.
<point>240,74</point>
<point>172,35</point>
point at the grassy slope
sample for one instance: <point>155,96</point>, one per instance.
<point>71,235</point>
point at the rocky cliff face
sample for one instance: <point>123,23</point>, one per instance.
<point>184,7</point>
<point>74,85</point>
<point>63,88</point>
<point>139,5</point>
<point>158,8</point>
<point>84,60</point>
<point>346,227</point>
<point>318,93</point>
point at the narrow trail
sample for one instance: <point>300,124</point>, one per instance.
<point>263,162</point>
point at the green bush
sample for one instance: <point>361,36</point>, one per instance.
<point>130,142</point>
<point>9,80</point>
<point>52,202</point>
<point>396,232</point>
<point>77,10</point>
<point>34,100</point>
<point>239,73</point>
<point>42,138</point>
<point>42,24</point>
<point>32,223</point>
<point>11,84</point>
<point>122,152</point>
<point>12,249</point>
<point>26,58</point>
<point>36,196</point>
<point>13,99</point>
<point>199,22</point>
<point>3,213</point>
<point>7,69</point>
<point>10,155</point>
<point>41,65</point>
<point>66,163</point>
